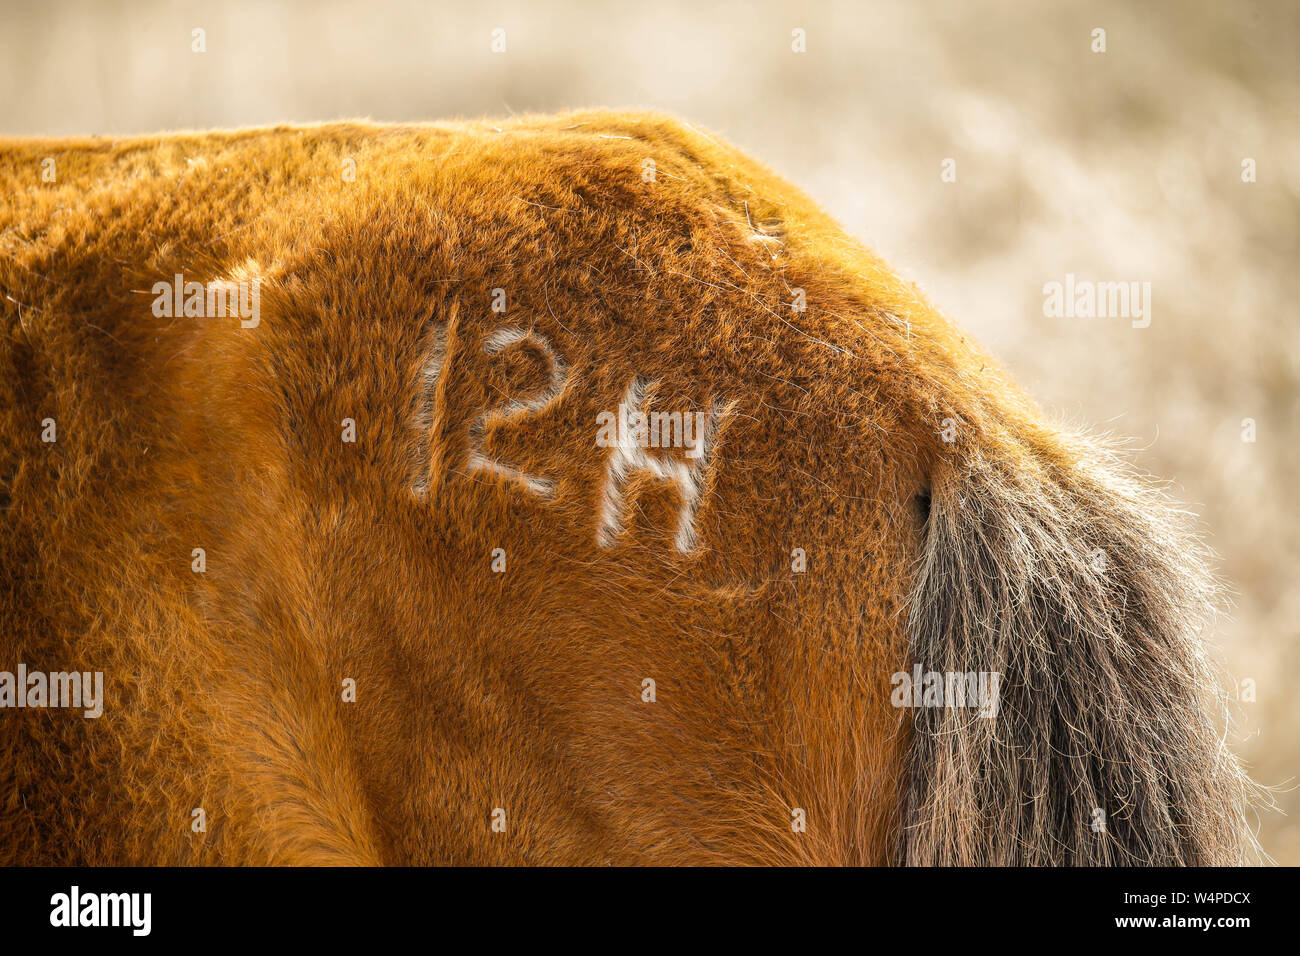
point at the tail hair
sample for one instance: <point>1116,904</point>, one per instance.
<point>1083,589</point>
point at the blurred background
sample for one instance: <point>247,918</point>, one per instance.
<point>1118,165</point>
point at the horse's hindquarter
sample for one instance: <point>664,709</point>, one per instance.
<point>675,652</point>
<point>572,491</point>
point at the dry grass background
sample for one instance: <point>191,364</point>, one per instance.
<point>1117,166</point>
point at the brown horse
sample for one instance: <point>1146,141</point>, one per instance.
<point>563,490</point>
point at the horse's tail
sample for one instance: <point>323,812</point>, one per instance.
<point>1074,583</point>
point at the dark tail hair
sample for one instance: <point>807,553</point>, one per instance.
<point>1078,584</point>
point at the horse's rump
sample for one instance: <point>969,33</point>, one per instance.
<point>376,571</point>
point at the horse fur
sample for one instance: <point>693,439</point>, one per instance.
<point>500,633</point>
